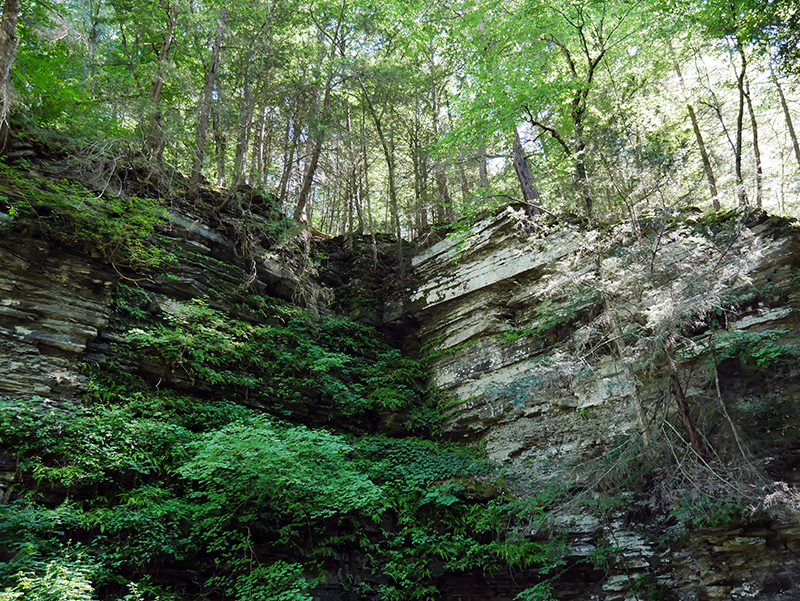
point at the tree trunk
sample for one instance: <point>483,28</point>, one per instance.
<point>530,192</point>
<point>424,197</point>
<point>8,51</point>
<point>257,153</point>
<point>319,138</point>
<point>243,135</point>
<point>578,112</point>
<point>741,192</point>
<point>205,107</point>
<point>444,206</point>
<point>788,116</point>
<point>420,167</point>
<point>221,148</point>
<point>365,160</point>
<point>155,120</point>
<point>288,162</point>
<point>483,168</point>
<point>756,148</point>
<point>94,35</point>
<point>581,174</point>
<point>712,181</point>
<point>683,406</point>
<point>466,192</point>
<point>387,144</point>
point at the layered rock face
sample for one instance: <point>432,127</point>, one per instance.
<point>588,359</point>
<point>55,303</point>
<point>553,346</point>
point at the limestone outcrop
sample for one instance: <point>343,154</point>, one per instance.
<point>564,351</point>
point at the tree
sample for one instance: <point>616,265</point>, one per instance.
<point>336,39</point>
<point>154,148</point>
<point>8,50</point>
<point>701,145</point>
<point>205,105</point>
<point>542,61</point>
<point>530,193</point>
<point>787,115</point>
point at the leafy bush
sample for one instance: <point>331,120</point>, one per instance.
<point>258,465</point>
<point>293,359</point>
<point>704,512</point>
<point>73,445</point>
<point>760,348</point>
<point>67,578</point>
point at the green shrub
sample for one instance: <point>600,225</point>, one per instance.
<point>760,348</point>
<point>71,445</point>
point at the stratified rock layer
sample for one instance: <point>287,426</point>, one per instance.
<point>52,305</point>
<point>552,345</point>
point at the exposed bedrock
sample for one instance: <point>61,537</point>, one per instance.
<point>560,350</point>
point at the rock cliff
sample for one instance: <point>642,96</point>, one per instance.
<point>568,353</point>
<point>638,385</point>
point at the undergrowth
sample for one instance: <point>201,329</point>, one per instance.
<point>134,481</point>
<point>289,358</point>
<point>117,229</point>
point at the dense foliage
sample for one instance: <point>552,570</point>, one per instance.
<point>134,481</point>
<point>392,116</point>
<point>263,444</point>
<point>240,454</point>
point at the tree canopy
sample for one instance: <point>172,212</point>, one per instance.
<point>395,116</point>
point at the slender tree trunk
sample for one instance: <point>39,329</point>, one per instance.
<point>530,192</point>
<point>741,192</point>
<point>257,160</point>
<point>756,148</point>
<point>350,195</point>
<point>288,162</point>
<point>243,135</point>
<point>414,151</point>
<point>466,192</point>
<point>94,20</point>
<point>220,145</point>
<point>582,175</point>
<point>205,107</point>
<point>365,160</point>
<point>319,137</point>
<point>358,195</point>
<point>8,51</point>
<point>579,107</point>
<point>155,120</point>
<point>683,405</point>
<point>483,168</point>
<point>444,206</point>
<point>712,181</point>
<point>387,144</point>
<point>420,179</point>
<point>787,115</point>
<point>388,154</point>
<point>424,196</point>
